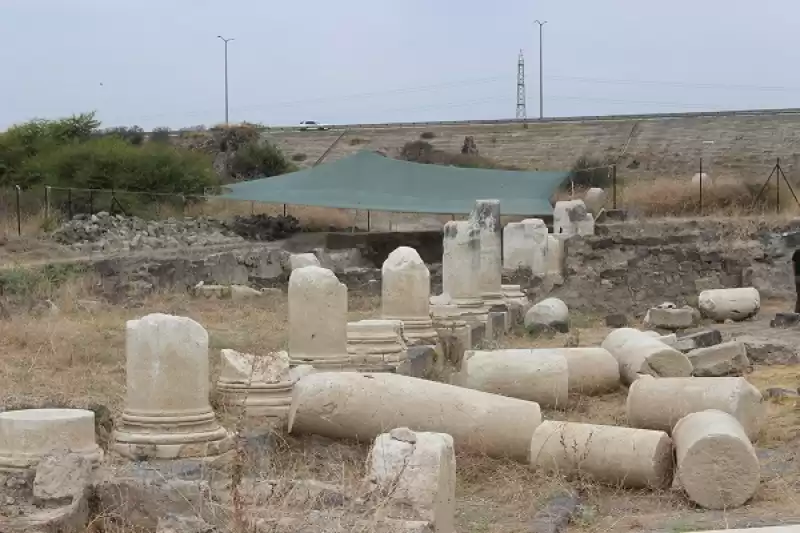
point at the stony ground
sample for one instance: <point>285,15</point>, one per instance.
<point>76,357</point>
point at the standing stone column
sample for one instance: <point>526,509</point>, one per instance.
<point>406,292</point>
<point>461,263</point>
<point>486,216</point>
<point>167,414</point>
<point>537,233</point>
<point>317,319</point>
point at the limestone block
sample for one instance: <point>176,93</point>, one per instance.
<point>540,376</point>
<point>515,246</point>
<point>28,435</point>
<point>371,342</point>
<point>717,466</point>
<point>405,294</point>
<point>486,217</point>
<point>595,199</point>
<point>639,353</point>
<point>734,304</point>
<point>660,403</point>
<point>628,457</point>
<point>302,260</point>
<point>417,470</point>
<point>591,370</point>
<point>461,263</point>
<point>262,386</point>
<point>160,419</point>
<point>699,339</point>
<point>719,360</point>
<point>550,313</point>
<point>568,215</point>
<point>517,302</point>
<point>525,246</point>
<point>317,317</point>
<point>536,234</point>
<point>555,257</point>
<point>672,319</point>
<point>585,226</point>
<point>362,406</point>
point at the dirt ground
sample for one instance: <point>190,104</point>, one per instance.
<point>77,357</point>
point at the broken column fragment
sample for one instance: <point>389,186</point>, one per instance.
<point>317,319</point>
<point>376,343</point>
<point>405,294</point>
<point>591,370</point>
<point>659,403</point>
<point>628,457</point>
<point>525,246</point>
<point>549,314</point>
<point>541,377</point>
<point>361,406</point>
<point>571,217</point>
<point>638,353</point>
<point>716,463</point>
<point>734,304</point>
<point>486,217</point>
<point>728,358</point>
<point>461,262</point>
<point>416,470</point>
<point>162,420</point>
<point>28,435</point>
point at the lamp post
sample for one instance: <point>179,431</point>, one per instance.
<point>541,24</point>
<point>226,41</point>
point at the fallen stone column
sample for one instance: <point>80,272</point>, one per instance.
<point>362,406</point>
<point>717,466</point>
<point>639,353</point>
<point>719,360</point>
<point>405,294</point>
<point>734,304</point>
<point>540,376</point>
<point>591,370</point>
<point>660,403</point>
<point>28,435</point>
<point>416,470</point>
<point>635,458</point>
<point>162,420</point>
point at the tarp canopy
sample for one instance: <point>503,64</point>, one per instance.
<point>368,180</point>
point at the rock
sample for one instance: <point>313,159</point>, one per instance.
<point>595,199</point>
<point>550,313</point>
<point>62,477</point>
<point>689,341</point>
<point>770,352</point>
<point>781,393</point>
<point>669,318</point>
<point>556,514</point>
<point>241,292</point>
<point>184,524</point>
<point>728,358</point>
<point>785,320</point>
<point>616,320</point>
<point>314,494</point>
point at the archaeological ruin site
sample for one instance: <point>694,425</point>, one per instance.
<point>585,371</point>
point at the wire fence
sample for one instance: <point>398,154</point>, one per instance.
<point>37,210</point>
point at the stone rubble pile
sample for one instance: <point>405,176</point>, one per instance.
<point>373,380</point>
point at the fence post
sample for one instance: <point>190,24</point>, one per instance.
<point>46,202</point>
<point>284,209</point>
<point>19,214</point>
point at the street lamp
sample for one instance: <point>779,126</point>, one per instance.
<point>541,23</point>
<point>224,40</point>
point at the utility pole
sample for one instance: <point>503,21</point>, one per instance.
<point>224,40</point>
<point>541,24</point>
<point>522,112</point>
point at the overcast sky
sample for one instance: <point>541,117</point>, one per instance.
<point>159,63</point>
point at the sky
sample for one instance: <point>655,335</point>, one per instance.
<point>160,64</point>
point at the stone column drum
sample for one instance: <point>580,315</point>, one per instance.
<point>640,353</point>
<point>372,343</point>
<point>405,295</point>
<point>27,435</point>
<point>317,319</point>
<point>717,466</point>
<point>658,403</point>
<point>486,216</point>
<point>635,458</point>
<point>167,414</point>
<point>362,406</point>
<point>461,263</point>
<point>591,370</point>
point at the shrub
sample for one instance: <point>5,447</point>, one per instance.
<point>355,141</point>
<point>590,172</point>
<point>427,135</point>
<point>133,135</point>
<point>299,157</point>
<point>258,160</point>
<point>424,152</point>
<point>160,135</point>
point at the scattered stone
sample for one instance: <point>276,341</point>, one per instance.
<point>785,320</point>
<point>556,514</point>
<point>660,403</point>
<point>687,342</point>
<point>669,318</point>
<point>302,260</point>
<point>263,227</point>
<point>61,478</point>
<point>729,304</point>
<point>770,352</point>
<point>418,472</point>
<point>619,456</point>
<point>728,358</point>
<point>184,524</point>
<point>716,464</point>
<point>616,320</point>
<point>549,314</point>
<point>638,352</point>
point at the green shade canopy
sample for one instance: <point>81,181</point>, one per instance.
<point>368,180</point>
